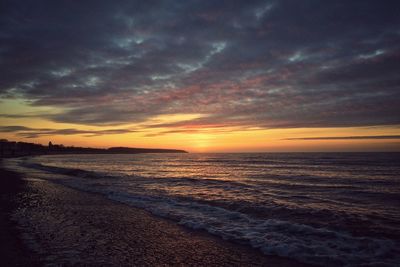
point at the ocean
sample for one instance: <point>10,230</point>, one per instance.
<point>322,208</point>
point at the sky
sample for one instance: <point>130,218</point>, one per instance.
<point>205,76</point>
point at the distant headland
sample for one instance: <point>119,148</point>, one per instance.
<point>15,149</point>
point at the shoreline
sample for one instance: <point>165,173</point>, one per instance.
<point>13,251</point>
<point>60,225</point>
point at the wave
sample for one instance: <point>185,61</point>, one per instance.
<point>273,237</point>
<point>284,237</point>
<point>66,171</point>
<point>102,175</point>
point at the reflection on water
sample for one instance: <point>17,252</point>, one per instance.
<point>270,201</point>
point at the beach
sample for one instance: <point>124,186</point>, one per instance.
<point>53,224</point>
<point>203,209</point>
<point>13,251</point>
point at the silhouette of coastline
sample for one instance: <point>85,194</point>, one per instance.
<point>16,149</point>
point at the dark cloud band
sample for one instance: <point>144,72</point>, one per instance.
<point>38,132</point>
<point>348,137</point>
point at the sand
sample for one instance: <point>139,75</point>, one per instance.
<point>13,251</point>
<point>63,226</point>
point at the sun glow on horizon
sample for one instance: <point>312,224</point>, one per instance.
<point>173,131</point>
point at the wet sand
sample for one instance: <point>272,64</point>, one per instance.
<point>13,252</point>
<point>63,226</point>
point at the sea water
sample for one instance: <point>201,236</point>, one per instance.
<point>321,208</point>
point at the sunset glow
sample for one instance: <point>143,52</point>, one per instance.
<point>198,138</point>
<point>199,133</point>
<point>247,77</point>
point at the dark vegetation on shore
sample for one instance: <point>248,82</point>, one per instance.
<point>12,251</point>
<point>15,149</point>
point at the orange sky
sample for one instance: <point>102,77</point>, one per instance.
<point>207,139</point>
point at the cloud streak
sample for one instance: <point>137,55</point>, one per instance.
<point>366,137</point>
<point>38,132</point>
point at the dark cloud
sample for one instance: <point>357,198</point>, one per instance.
<point>10,129</point>
<point>348,137</point>
<point>268,64</point>
<point>24,115</point>
<point>37,132</point>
